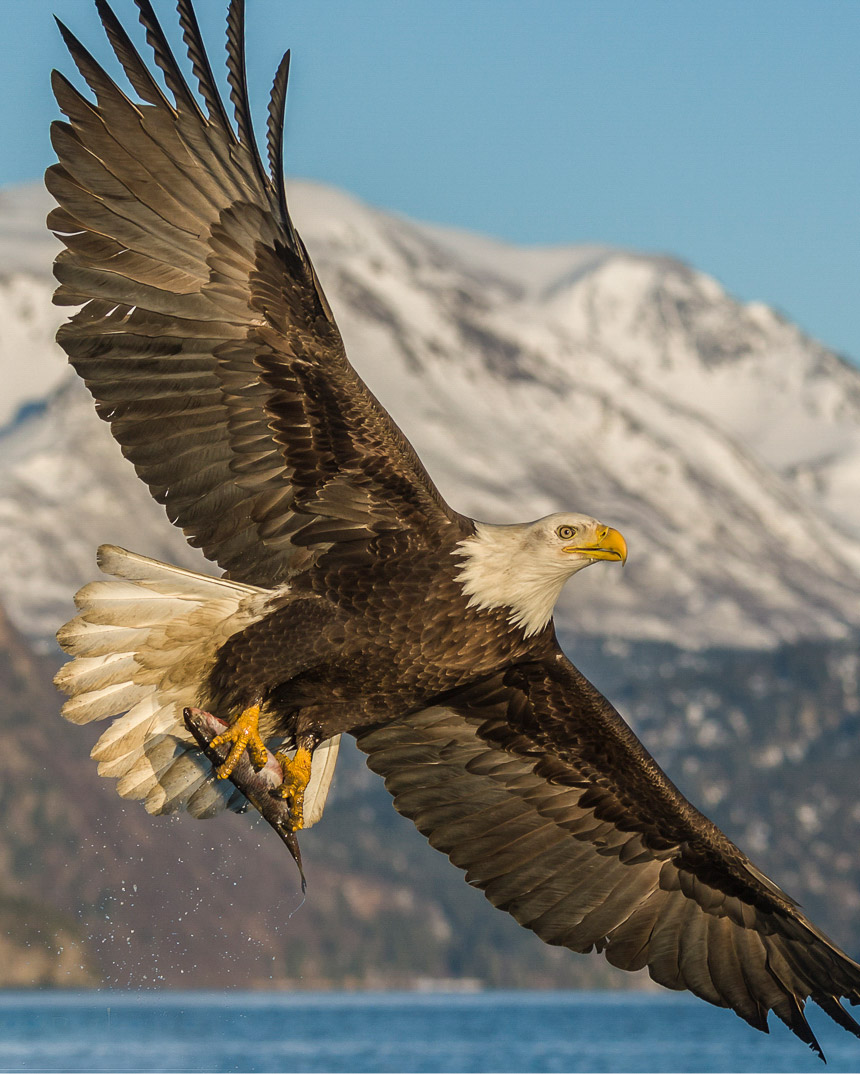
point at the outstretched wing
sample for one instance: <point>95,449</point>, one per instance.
<point>205,336</point>
<point>533,784</point>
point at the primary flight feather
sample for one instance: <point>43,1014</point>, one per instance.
<point>354,599</point>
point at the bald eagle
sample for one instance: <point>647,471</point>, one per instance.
<point>354,599</point>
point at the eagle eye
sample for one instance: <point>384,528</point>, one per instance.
<point>566,532</point>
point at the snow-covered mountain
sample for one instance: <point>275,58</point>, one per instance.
<point>723,442</point>
<point>29,361</point>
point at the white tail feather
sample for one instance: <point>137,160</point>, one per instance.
<point>322,772</point>
<point>143,645</point>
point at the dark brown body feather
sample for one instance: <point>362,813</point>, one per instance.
<point>210,348</point>
<point>359,643</point>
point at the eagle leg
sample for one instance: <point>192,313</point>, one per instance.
<point>297,774</point>
<point>244,734</point>
<point>201,725</point>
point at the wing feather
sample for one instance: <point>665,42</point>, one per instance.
<point>532,784</point>
<point>275,133</point>
<point>205,336</point>
<point>238,81</point>
<point>126,53</point>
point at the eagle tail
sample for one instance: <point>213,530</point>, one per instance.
<point>142,647</point>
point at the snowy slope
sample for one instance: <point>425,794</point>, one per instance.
<point>30,363</point>
<point>25,245</point>
<point>791,402</point>
<point>721,441</point>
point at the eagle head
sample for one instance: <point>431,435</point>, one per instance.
<point>524,567</point>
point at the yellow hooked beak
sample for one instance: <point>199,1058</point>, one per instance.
<point>608,544</point>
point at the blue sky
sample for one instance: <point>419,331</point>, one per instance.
<point>725,133</point>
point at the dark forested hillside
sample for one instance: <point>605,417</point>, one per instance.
<point>95,891</point>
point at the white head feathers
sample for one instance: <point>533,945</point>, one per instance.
<point>524,567</point>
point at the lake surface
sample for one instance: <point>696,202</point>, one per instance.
<point>488,1031</point>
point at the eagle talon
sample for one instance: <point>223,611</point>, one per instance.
<point>244,735</point>
<point>297,774</point>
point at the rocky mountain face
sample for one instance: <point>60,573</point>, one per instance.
<point>41,942</point>
<point>719,439</point>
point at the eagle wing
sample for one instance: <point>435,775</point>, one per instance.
<point>533,784</point>
<point>205,336</point>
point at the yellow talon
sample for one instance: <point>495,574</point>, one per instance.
<point>244,735</point>
<point>297,774</point>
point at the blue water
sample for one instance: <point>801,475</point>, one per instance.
<point>491,1031</point>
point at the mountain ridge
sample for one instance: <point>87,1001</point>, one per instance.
<point>528,381</point>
